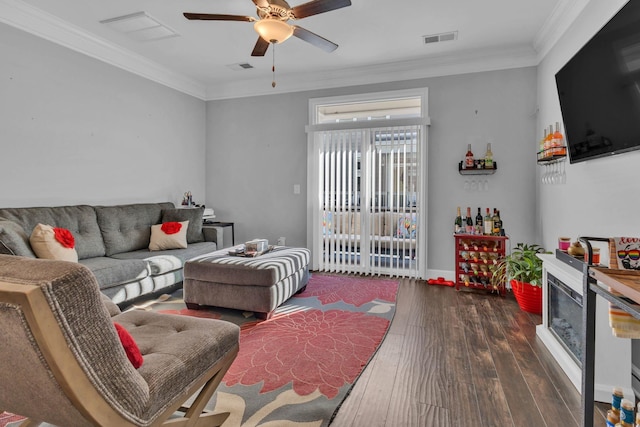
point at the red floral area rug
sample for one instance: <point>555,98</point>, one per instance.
<point>296,368</point>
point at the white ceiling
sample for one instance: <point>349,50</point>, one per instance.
<point>378,40</point>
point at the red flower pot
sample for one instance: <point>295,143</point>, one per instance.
<point>529,297</point>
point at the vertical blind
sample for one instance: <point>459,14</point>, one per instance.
<point>370,203</point>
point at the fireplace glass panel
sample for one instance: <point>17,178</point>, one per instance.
<point>565,316</point>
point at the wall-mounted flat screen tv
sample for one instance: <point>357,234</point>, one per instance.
<point>599,90</point>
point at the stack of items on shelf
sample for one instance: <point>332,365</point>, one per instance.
<point>552,144</point>
<point>471,162</point>
<point>621,412</point>
<point>489,225</point>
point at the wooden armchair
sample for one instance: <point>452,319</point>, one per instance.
<point>61,360</point>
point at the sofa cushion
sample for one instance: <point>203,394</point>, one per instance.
<point>127,228</point>
<point>161,262</point>
<point>193,215</point>
<point>47,243</point>
<point>14,240</point>
<point>80,220</point>
<point>168,235</point>
<point>112,272</point>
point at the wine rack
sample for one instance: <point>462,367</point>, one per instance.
<point>476,256</point>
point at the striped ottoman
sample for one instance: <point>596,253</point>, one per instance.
<point>257,284</point>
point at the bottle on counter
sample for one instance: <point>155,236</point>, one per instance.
<point>457,225</point>
<point>626,413</point>
<point>468,158</point>
<point>469,222</point>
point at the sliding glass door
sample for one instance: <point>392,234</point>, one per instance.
<point>368,197</point>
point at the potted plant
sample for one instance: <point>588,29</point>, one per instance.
<point>523,268</point>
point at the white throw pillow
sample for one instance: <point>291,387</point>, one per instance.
<point>169,235</point>
<point>53,243</point>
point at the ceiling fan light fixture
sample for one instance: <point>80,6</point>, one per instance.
<point>273,30</point>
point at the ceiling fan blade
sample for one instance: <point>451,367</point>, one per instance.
<point>261,3</point>
<point>318,6</point>
<point>217,17</point>
<point>314,39</point>
<point>261,47</point>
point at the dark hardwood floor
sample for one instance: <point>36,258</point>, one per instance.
<point>462,358</point>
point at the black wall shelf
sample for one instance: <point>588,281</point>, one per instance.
<point>474,171</point>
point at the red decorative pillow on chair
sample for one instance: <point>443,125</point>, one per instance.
<point>129,345</point>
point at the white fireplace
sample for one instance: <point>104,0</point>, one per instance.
<point>561,331</point>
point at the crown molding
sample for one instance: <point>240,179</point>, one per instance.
<point>561,18</point>
<point>459,63</point>
<point>25,17</point>
<point>44,25</point>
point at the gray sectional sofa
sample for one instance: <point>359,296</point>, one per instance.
<point>112,241</point>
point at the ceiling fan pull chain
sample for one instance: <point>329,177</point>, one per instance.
<point>273,66</point>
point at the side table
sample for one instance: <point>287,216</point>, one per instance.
<point>223,225</point>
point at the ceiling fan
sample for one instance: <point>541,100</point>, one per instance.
<point>272,24</point>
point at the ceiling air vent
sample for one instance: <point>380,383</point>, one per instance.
<point>140,26</point>
<point>442,37</point>
<point>240,66</point>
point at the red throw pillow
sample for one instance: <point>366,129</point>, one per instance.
<point>129,345</point>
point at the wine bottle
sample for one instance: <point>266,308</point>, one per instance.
<point>469,222</point>
<point>488,223</point>
<point>468,158</point>
<point>479,226</point>
<point>547,143</point>
<point>494,219</point>
<point>488,157</point>
<point>497,224</point>
<point>558,141</point>
<point>457,225</point>
<point>541,145</point>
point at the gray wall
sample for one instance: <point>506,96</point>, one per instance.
<point>76,130</point>
<point>600,197</point>
<point>257,151</point>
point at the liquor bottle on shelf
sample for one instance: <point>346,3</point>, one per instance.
<point>541,144</point>
<point>488,157</point>
<point>494,220</point>
<point>468,158</point>
<point>457,225</point>
<point>547,142</point>
<point>469,222</point>
<point>558,142</point>
<point>497,224</point>
<point>488,223</point>
<point>479,226</point>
